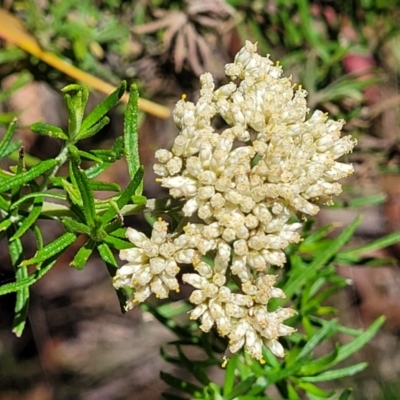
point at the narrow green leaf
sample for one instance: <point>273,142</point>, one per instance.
<point>76,104</point>
<point>57,196</point>
<point>96,128</point>
<point>113,154</point>
<point>89,156</point>
<point>346,350</point>
<point>180,384</point>
<point>296,281</point>
<point>72,192</point>
<point>5,224</point>
<point>318,365</point>
<point>15,286</point>
<point>171,324</point>
<point>21,304</point>
<point>120,232</point>
<point>7,118</point>
<point>4,205</point>
<point>105,186</point>
<point>39,237</point>
<point>75,227</point>
<point>131,132</point>
<point>55,247</point>
<point>271,359</point>
<point>5,142</point>
<point>28,221</point>
<point>19,169</point>
<point>309,388</point>
<point>355,254</point>
<point>107,156</point>
<point>139,199</point>
<point>291,391</point>
<point>368,201</point>
<point>281,374</point>
<point>82,181</point>
<point>196,368</point>
<point>346,394</point>
<point>83,255</point>
<point>241,388</point>
<point>125,196</point>
<point>49,130</point>
<point>13,148</point>
<point>102,108</point>
<point>170,310</point>
<point>316,301</point>
<point>230,375</point>
<point>325,332</point>
<point>117,243</point>
<point>111,263</point>
<point>22,298</point>
<point>336,373</point>
<point>25,177</point>
<point>97,169</point>
<point>108,257</point>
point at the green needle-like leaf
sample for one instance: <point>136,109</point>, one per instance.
<point>72,192</point>
<point>22,299</point>
<point>125,197</point>
<point>30,219</point>
<point>181,384</point>
<point>75,227</point>
<point>325,332</point>
<point>39,195</point>
<point>4,205</point>
<point>242,388</point>
<point>76,104</point>
<point>83,184</point>
<point>83,255</point>
<point>102,109</point>
<point>113,154</point>
<point>97,169</point>
<point>298,279</point>
<point>348,349</point>
<point>346,394</point>
<point>49,130</point>
<point>105,186</point>
<point>22,303</point>
<point>336,373</point>
<point>5,142</point>
<point>54,248</point>
<point>309,388</point>
<point>353,255</point>
<point>131,132</point>
<point>117,243</point>
<point>108,257</point>
<point>96,128</point>
<point>230,375</point>
<point>25,177</point>
<point>15,286</point>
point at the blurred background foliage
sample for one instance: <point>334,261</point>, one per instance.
<point>346,54</point>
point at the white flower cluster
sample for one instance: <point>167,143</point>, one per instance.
<point>242,187</point>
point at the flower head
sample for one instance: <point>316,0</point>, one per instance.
<point>152,265</point>
<point>245,187</point>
